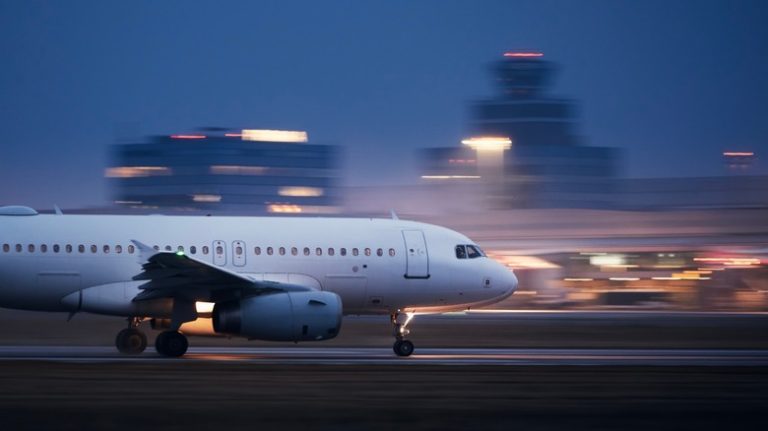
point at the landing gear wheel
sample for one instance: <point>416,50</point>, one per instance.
<point>131,341</point>
<point>403,348</point>
<point>171,343</point>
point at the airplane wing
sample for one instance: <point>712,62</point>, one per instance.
<point>176,275</point>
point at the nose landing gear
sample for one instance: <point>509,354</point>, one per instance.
<point>402,347</point>
<point>131,341</point>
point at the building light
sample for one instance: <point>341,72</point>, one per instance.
<point>128,202</point>
<point>523,54</point>
<point>579,279</point>
<point>188,136</point>
<point>233,135</point>
<point>451,177</point>
<point>303,192</point>
<point>137,171</point>
<point>607,260</point>
<point>488,143</point>
<point>237,170</point>
<point>274,135</point>
<point>624,279</point>
<point>284,208</point>
<point>206,198</point>
<point>738,154</point>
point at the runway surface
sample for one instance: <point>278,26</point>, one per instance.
<point>385,356</point>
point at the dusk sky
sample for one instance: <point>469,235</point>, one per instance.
<point>672,83</point>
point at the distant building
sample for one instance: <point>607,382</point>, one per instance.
<point>546,164</point>
<point>243,172</point>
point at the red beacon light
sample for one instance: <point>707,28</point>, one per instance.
<point>523,54</point>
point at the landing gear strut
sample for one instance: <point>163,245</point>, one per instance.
<point>131,341</point>
<point>171,343</point>
<point>402,347</point>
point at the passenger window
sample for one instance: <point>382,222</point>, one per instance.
<point>168,248</point>
<point>6,248</point>
<point>355,252</point>
<point>239,250</point>
<point>473,252</point>
<point>391,251</point>
<point>56,248</point>
<point>81,248</point>
<point>43,248</point>
<point>156,247</point>
<point>181,248</point>
<point>257,250</point>
<point>192,249</point>
<point>131,249</point>
<point>18,248</point>
<point>379,252</point>
<point>331,251</point>
<point>94,249</point>
<point>106,249</point>
<point>69,248</point>
<point>206,249</point>
<point>270,251</point>
<point>367,251</point>
<point>461,252</point>
<point>282,251</point>
<point>319,251</point>
<point>118,249</point>
<point>343,251</point>
<point>306,251</point>
<point>294,251</point>
<point>219,249</point>
<point>31,248</point>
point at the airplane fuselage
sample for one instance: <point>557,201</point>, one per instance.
<point>376,266</point>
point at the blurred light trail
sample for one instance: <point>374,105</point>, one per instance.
<point>265,135</point>
<point>188,136</point>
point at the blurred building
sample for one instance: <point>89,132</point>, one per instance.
<point>540,161</point>
<point>242,172</point>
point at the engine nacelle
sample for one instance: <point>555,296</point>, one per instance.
<point>292,316</point>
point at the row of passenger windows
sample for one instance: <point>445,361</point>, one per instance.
<point>306,251</point>
<point>239,250</point>
<point>68,248</point>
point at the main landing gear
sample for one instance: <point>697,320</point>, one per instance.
<point>131,341</point>
<point>171,343</point>
<point>402,347</point>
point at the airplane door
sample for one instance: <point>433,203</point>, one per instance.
<point>219,253</point>
<point>238,253</point>
<point>417,259</point>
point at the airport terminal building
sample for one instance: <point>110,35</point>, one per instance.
<point>231,172</point>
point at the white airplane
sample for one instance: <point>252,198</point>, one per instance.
<point>266,278</point>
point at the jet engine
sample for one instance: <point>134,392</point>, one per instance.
<point>291,316</point>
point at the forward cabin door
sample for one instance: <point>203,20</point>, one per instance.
<point>417,258</point>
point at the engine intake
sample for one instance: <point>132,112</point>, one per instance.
<point>292,316</point>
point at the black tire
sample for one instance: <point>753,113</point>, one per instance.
<point>403,348</point>
<point>131,341</point>
<point>171,343</point>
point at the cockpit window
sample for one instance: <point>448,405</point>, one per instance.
<point>474,251</point>
<point>461,252</point>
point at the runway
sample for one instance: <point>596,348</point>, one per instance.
<point>385,356</point>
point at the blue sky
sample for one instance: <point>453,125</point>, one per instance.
<point>673,83</point>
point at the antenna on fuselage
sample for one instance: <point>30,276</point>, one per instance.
<point>394,215</point>
<point>57,210</point>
